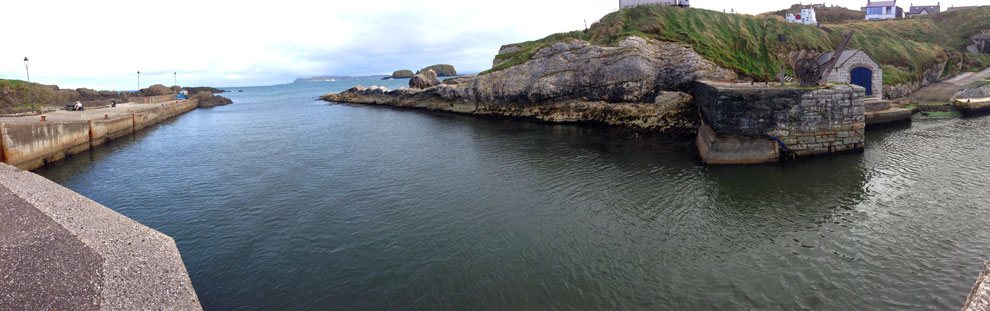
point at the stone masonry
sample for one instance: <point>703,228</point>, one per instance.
<point>852,59</point>
<point>809,121</point>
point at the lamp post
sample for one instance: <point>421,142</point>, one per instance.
<point>139,80</point>
<point>28,72</point>
<point>26,69</point>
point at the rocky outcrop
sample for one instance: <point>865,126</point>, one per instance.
<point>979,89</point>
<point>981,43</point>
<point>401,74</point>
<point>442,70</point>
<point>155,90</point>
<point>931,75</point>
<point>503,54</point>
<point>640,84</point>
<point>671,114</point>
<point>207,99</point>
<point>424,80</point>
<point>459,80</point>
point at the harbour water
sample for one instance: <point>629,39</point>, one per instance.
<point>282,202</point>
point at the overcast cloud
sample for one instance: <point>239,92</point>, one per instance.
<point>102,44</point>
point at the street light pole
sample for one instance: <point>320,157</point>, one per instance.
<point>31,92</point>
<point>26,69</point>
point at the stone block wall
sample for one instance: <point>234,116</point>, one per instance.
<point>808,121</point>
<point>841,73</point>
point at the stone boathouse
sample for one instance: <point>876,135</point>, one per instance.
<point>856,67</point>
<point>749,124</point>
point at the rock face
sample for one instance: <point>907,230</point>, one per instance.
<point>931,75</point>
<point>155,90</point>
<point>641,84</point>
<point>424,80</point>
<point>400,74</point>
<point>505,50</point>
<point>979,89</point>
<point>981,43</point>
<point>442,70</point>
<point>207,99</point>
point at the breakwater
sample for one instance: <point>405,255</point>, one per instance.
<point>64,251</point>
<point>30,142</point>
<point>745,124</point>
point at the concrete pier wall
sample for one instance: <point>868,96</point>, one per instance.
<point>62,251</point>
<point>808,121</point>
<point>30,145</point>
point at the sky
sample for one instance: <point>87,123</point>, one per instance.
<point>103,44</point>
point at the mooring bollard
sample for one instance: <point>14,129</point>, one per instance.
<point>42,118</point>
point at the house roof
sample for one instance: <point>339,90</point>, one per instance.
<point>932,9</point>
<point>846,55</point>
<point>872,4</point>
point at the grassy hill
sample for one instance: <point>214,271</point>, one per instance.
<point>826,15</point>
<point>751,46</point>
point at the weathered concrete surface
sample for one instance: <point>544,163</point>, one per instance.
<point>889,116</point>
<point>42,265</point>
<point>716,151</point>
<point>95,257</point>
<point>942,92</point>
<point>973,107</point>
<point>809,121</point>
<point>29,143</point>
<point>979,297</point>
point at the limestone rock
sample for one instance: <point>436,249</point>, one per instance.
<point>503,54</point>
<point>460,80</point>
<point>155,90</point>
<point>640,84</point>
<point>634,71</point>
<point>400,74</point>
<point>441,70</point>
<point>207,99</point>
<point>424,80</point>
<point>979,89</point>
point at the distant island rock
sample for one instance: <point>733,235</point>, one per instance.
<point>401,74</point>
<point>442,70</point>
<point>337,78</point>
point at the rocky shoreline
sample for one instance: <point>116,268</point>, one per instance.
<point>641,84</point>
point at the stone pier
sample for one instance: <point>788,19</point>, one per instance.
<point>746,124</point>
<point>30,143</point>
<point>62,251</point>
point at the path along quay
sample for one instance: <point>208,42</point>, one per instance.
<point>62,251</point>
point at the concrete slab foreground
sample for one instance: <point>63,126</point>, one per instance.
<point>61,250</point>
<point>979,297</point>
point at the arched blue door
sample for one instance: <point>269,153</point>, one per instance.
<point>862,76</point>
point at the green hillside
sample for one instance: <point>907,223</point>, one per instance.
<point>826,15</point>
<point>751,45</point>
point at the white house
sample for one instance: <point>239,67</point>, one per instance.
<point>625,4</point>
<point>877,10</point>
<point>807,16</point>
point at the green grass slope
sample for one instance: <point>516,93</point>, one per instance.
<point>826,15</point>
<point>751,46</point>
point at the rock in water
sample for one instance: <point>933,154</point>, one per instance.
<point>642,84</point>
<point>424,80</point>
<point>399,74</point>
<point>442,70</point>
